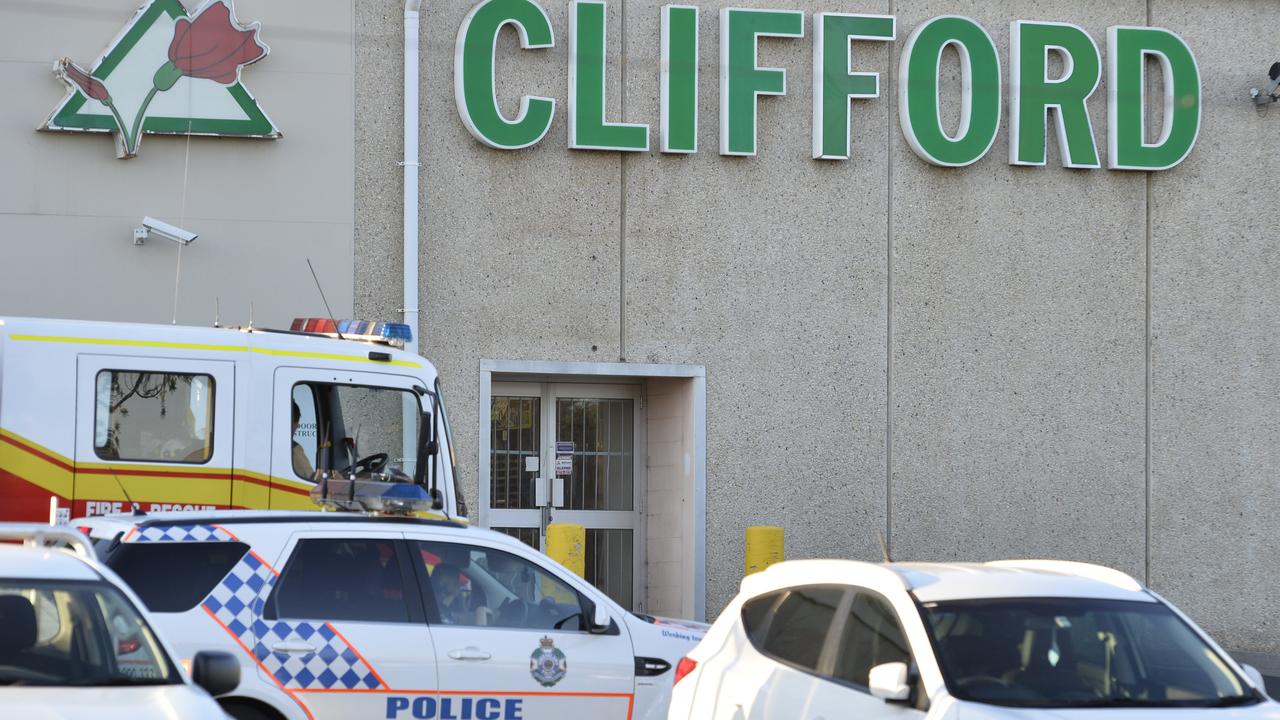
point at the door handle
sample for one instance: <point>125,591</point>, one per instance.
<point>469,653</point>
<point>294,648</point>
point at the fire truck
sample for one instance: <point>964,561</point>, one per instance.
<point>99,418</point>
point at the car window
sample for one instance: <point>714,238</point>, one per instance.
<point>792,625</point>
<point>1078,652</point>
<point>174,576</point>
<point>55,633</point>
<point>153,416</point>
<point>480,586</point>
<point>871,637</point>
<point>341,579</point>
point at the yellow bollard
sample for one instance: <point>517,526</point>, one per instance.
<point>764,547</point>
<point>567,545</point>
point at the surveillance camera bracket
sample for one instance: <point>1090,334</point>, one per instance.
<point>142,235</point>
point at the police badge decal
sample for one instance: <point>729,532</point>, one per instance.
<point>548,665</point>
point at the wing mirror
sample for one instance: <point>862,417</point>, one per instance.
<point>1254,676</point>
<point>217,672</point>
<point>889,682</point>
<point>600,621</point>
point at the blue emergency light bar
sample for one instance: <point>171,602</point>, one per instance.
<point>364,330</point>
<point>359,495</point>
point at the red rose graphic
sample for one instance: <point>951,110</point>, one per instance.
<point>210,47</point>
<point>88,84</point>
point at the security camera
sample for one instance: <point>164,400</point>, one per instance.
<point>151,225</point>
<point>1270,95</point>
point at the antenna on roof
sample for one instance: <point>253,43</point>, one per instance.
<point>137,510</point>
<point>323,299</point>
<point>884,548</point>
<point>217,312</point>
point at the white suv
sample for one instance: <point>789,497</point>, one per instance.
<point>338,615</point>
<point>74,644</point>
<point>828,639</point>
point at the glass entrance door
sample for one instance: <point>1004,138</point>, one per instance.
<point>591,438</point>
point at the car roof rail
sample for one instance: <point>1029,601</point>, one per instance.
<point>36,535</point>
<point>1100,573</point>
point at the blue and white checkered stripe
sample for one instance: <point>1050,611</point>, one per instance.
<point>237,603</point>
<point>334,665</point>
<point>182,533</point>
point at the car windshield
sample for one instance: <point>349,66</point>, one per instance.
<point>76,635</point>
<point>1074,652</point>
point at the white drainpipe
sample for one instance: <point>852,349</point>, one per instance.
<point>411,169</point>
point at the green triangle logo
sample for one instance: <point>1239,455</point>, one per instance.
<point>167,73</point>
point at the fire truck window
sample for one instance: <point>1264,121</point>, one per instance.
<point>153,417</point>
<point>303,427</point>
<point>371,432</point>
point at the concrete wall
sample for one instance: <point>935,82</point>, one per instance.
<point>68,207</point>
<point>987,362</point>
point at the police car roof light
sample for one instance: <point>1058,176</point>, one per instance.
<point>372,496</point>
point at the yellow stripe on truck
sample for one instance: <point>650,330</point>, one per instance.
<point>210,348</point>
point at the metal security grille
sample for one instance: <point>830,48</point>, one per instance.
<point>610,563</point>
<point>516,434</point>
<point>603,435</point>
<point>528,536</point>
<point>588,442</point>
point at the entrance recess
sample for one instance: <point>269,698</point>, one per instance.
<point>592,438</point>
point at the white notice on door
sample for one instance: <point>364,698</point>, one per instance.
<point>564,465</point>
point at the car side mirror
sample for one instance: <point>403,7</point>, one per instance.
<point>1254,676</point>
<point>889,682</point>
<point>217,672</point>
<point>600,621</point>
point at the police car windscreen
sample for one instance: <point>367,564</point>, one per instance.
<point>174,576</point>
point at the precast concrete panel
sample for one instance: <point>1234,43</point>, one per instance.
<point>770,271</point>
<point>1215,318</point>
<point>260,207</point>
<point>520,249</point>
<point>1017,336</point>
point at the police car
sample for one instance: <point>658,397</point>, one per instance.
<point>74,643</point>
<point>342,616</point>
<point>1015,640</point>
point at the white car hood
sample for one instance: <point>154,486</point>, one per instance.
<point>973,711</point>
<point>152,702</point>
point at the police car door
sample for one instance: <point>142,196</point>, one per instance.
<point>510,643</point>
<point>343,631</point>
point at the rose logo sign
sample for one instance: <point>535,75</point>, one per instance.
<point>168,73</point>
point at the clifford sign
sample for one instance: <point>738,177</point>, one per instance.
<point>1037,95</point>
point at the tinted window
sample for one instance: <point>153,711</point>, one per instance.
<point>792,625</point>
<point>341,579</point>
<point>174,577</point>
<point>1078,652</point>
<point>153,416</point>
<point>488,587</point>
<point>871,637</point>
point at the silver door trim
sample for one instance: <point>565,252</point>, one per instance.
<point>556,371</point>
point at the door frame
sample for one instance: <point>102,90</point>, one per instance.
<point>549,393</point>
<point>602,374</point>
